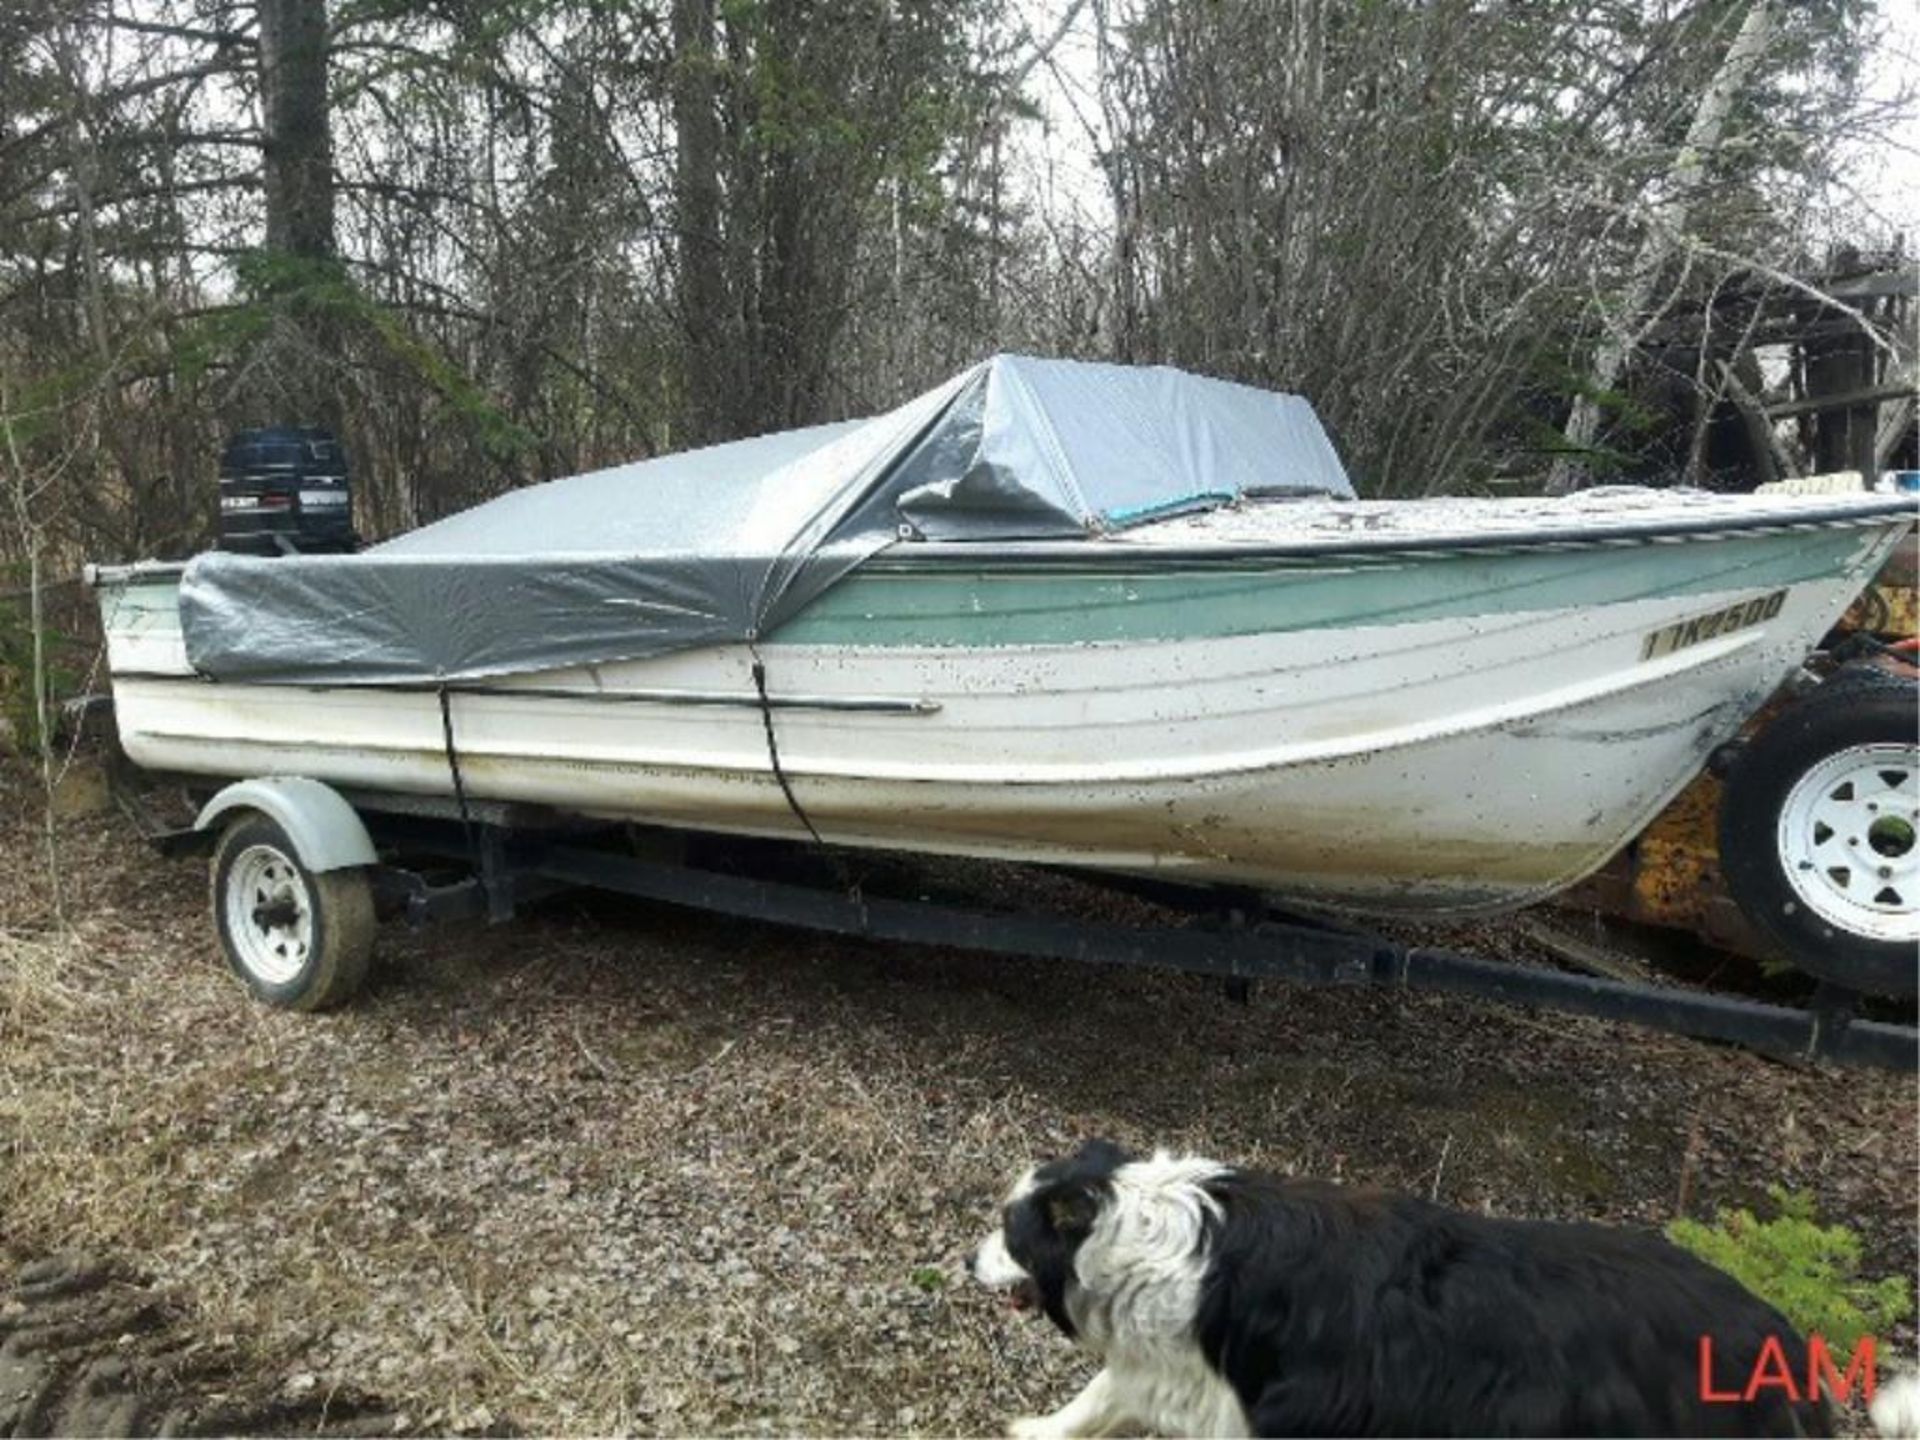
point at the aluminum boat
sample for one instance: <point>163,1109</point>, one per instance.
<point>1438,706</point>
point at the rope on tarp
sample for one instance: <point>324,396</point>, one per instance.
<point>459,784</point>
<point>833,856</point>
<point>773,747</point>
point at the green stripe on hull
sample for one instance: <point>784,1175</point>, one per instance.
<point>987,606</point>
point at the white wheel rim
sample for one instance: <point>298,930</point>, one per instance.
<point>269,915</point>
<point>1847,840</point>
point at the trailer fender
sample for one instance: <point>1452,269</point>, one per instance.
<point>324,828</point>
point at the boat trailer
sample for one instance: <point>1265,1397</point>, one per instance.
<point>513,855</point>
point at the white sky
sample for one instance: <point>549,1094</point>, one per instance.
<point>1883,180</point>
<point>1888,178</point>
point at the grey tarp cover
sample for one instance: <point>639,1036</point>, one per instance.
<point>726,543</point>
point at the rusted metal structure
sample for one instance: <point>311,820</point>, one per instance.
<point>1769,377</point>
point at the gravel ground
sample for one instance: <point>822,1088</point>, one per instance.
<point>622,1168</point>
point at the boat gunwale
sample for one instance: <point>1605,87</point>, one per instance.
<point>1100,552</point>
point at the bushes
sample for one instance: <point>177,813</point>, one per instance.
<point>1807,1271</point>
<point>68,614</point>
<point>18,730</point>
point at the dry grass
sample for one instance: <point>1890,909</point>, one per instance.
<point>615,1168</point>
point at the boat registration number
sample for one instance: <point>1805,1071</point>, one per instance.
<point>1682,633</point>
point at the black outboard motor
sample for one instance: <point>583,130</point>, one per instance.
<point>284,491</point>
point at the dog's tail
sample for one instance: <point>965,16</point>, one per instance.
<point>1895,1408</point>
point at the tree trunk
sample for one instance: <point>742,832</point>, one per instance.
<point>298,383</point>
<point>1664,226</point>
<point>299,142</point>
<point>706,320</point>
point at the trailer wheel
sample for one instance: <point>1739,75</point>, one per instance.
<point>301,941</point>
<point>1820,833</point>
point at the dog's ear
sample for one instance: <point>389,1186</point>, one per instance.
<point>1101,1155</point>
<point>1072,1208</point>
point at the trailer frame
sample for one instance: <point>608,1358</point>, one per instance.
<point>513,855</point>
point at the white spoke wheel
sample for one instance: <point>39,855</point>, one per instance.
<point>1820,832</point>
<point>1846,839</point>
<point>300,940</point>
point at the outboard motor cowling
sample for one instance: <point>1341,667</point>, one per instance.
<point>284,491</point>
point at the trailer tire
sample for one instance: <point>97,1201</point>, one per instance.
<point>300,940</point>
<point>1820,833</point>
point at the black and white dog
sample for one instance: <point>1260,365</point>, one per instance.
<point>1228,1302</point>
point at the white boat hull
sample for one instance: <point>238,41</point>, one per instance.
<point>1441,765</point>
